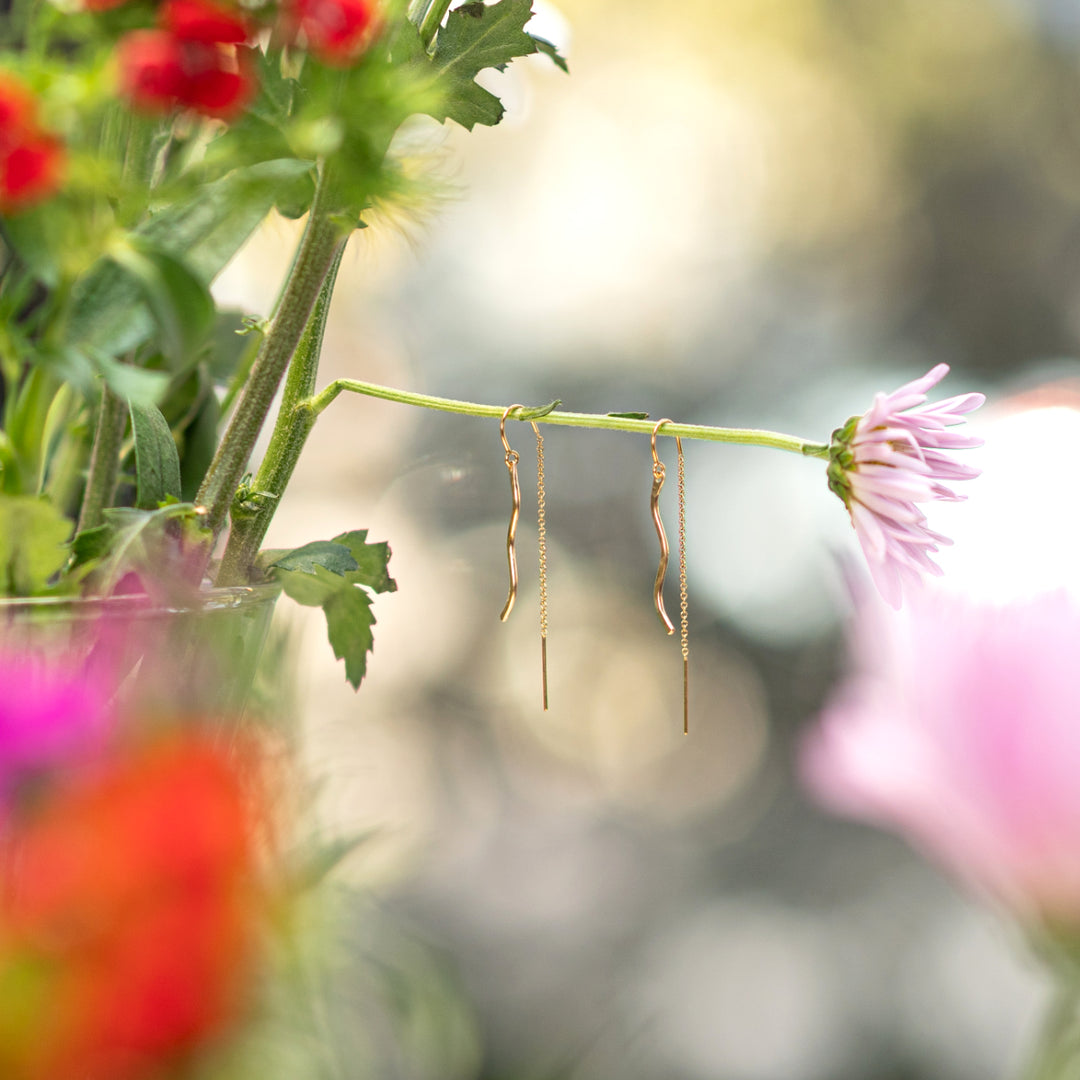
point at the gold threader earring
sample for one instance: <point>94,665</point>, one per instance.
<point>659,473</point>
<point>511,536</point>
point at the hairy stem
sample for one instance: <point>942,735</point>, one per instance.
<point>743,436</point>
<point>104,459</point>
<point>295,420</point>
<point>318,249</point>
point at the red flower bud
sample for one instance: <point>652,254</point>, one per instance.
<point>151,69</point>
<point>220,82</point>
<point>31,160</point>
<point>160,71</point>
<point>336,31</point>
<point>30,172</point>
<point>203,20</point>
<point>18,111</point>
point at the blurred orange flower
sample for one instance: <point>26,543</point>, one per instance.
<point>132,900</point>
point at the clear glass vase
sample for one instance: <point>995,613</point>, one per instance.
<point>197,656</point>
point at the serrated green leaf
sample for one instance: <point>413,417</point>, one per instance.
<point>478,36</point>
<point>329,574</point>
<point>330,555</point>
<point>548,49</point>
<point>371,561</point>
<point>349,620</point>
<point>313,587</point>
<point>33,544</point>
<point>157,462</point>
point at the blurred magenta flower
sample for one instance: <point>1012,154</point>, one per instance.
<point>893,456</point>
<point>960,728</point>
<point>51,715</point>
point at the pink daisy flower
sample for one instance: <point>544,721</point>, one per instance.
<point>883,463</point>
<point>958,729</point>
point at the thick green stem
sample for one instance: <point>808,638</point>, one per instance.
<point>319,247</point>
<point>432,20</point>
<point>104,459</point>
<point>295,420</point>
<point>744,436</point>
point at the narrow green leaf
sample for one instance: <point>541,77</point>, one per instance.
<point>537,413</point>
<point>180,303</point>
<point>134,384</point>
<point>230,341</point>
<point>29,234</point>
<point>33,544</point>
<point>629,415</point>
<point>141,538</point>
<point>200,445</point>
<point>349,619</point>
<point>157,463</point>
<point>314,864</point>
<point>206,231</point>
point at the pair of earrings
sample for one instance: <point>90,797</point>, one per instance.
<point>659,474</point>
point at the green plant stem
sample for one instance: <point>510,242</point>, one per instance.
<point>742,436</point>
<point>432,20</point>
<point>1057,1055</point>
<point>104,460</point>
<point>322,238</point>
<point>295,420</point>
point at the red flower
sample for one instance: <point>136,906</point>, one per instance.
<point>134,895</point>
<point>18,110</point>
<point>193,62</point>
<point>202,20</point>
<point>151,69</point>
<point>336,31</point>
<point>31,160</point>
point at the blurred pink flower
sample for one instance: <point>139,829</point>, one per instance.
<point>961,730</point>
<point>51,715</point>
<point>884,462</point>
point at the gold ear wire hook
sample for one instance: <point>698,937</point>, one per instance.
<point>511,532</point>
<point>659,472</point>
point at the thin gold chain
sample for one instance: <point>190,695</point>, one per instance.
<point>541,528</point>
<point>541,531</point>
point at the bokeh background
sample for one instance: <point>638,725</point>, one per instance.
<point>753,212</point>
